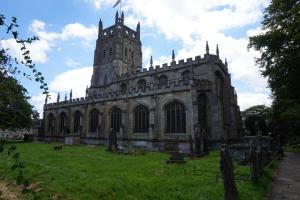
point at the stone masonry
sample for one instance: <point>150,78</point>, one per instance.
<point>147,107</point>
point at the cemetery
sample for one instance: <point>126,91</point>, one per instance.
<point>58,171</point>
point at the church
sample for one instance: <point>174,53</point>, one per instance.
<point>147,107</point>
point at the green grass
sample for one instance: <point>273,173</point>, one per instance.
<point>92,173</point>
<point>292,148</point>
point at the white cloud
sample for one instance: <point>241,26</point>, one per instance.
<point>76,79</point>
<point>47,40</point>
<point>248,99</point>
<point>186,20</point>
<point>101,3</point>
<point>72,63</point>
<point>37,26</point>
<point>38,49</point>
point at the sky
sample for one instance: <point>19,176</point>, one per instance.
<point>67,31</point>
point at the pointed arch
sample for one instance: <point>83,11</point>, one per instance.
<point>77,120</point>
<point>51,122</point>
<point>203,111</point>
<point>141,119</point>
<point>162,81</point>
<point>175,119</point>
<point>63,122</point>
<point>116,118</point>
<point>186,76</point>
<point>94,120</point>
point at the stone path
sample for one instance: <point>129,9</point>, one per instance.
<point>287,182</point>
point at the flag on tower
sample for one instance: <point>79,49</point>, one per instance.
<point>117,3</point>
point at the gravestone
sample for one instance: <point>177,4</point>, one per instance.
<point>72,140</point>
<point>192,151</point>
<point>112,141</point>
<point>198,140</point>
<point>253,162</point>
<point>176,156</point>
<point>201,141</point>
<point>226,168</point>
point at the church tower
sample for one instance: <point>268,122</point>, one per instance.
<point>118,51</point>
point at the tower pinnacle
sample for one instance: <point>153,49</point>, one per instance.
<point>151,62</point>
<point>207,48</point>
<point>173,55</point>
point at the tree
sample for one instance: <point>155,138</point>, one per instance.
<point>279,61</point>
<point>257,114</point>
<point>15,110</point>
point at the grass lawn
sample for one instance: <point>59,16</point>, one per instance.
<point>88,173</point>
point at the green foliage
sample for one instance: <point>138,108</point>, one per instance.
<point>279,61</point>
<point>82,172</point>
<point>10,65</point>
<point>15,110</point>
<point>18,165</point>
<point>259,114</point>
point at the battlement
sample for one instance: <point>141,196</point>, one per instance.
<point>174,65</point>
<point>151,89</point>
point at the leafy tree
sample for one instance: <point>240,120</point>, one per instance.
<point>257,115</point>
<point>279,45</point>
<point>15,110</point>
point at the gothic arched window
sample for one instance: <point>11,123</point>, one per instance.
<point>116,119</point>
<point>163,81</point>
<point>94,120</point>
<point>142,85</point>
<point>202,111</point>
<point>77,120</point>
<point>186,76</point>
<point>63,118</point>
<point>175,117</point>
<point>51,122</point>
<point>123,88</point>
<point>141,119</point>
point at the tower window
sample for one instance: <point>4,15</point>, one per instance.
<point>125,52</point>
<point>104,53</point>
<point>110,51</point>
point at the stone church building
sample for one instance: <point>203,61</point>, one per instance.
<point>147,107</point>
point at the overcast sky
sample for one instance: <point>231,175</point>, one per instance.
<point>68,30</point>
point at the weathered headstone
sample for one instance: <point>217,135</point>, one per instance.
<point>192,151</point>
<point>112,141</point>
<point>226,168</point>
<point>72,140</point>
<point>198,141</point>
<point>253,161</point>
<point>176,156</point>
